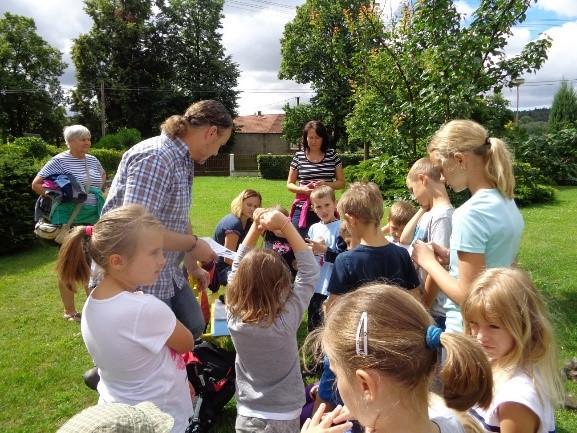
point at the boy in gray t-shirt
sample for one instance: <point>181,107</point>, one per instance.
<point>432,223</point>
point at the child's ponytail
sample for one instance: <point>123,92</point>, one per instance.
<point>465,374</point>
<point>72,266</point>
<point>499,166</point>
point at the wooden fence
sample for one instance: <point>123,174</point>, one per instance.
<point>225,164</point>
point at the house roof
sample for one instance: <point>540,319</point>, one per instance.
<point>263,124</point>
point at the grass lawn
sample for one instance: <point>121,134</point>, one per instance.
<point>42,357</point>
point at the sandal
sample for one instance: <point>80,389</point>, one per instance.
<point>72,317</point>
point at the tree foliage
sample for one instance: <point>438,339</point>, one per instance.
<point>318,48</point>
<point>296,117</point>
<point>563,112</point>
<point>152,65</point>
<point>30,94</point>
<point>430,67</point>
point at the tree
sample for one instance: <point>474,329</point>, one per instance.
<point>296,118</point>
<point>318,48</point>
<point>151,65</point>
<point>121,55</point>
<point>194,51</point>
<point>564,109</point>
<point>30,94</point>
<point>430,67</point>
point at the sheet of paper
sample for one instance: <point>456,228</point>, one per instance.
<point>219,249</point>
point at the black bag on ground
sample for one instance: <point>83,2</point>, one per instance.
<point>211,372</point>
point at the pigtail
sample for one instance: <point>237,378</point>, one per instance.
<point>499,166</point>
<point>465,374</point>
<point>72,266</point>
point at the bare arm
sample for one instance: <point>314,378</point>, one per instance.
<point>409,231</point>
<point>470,266</point>
<point>430,291</point>
<point>292,185</point>
<point>231,242</point>
<point>181,339</point>
<point>517,418</point>
<point>37,185</point>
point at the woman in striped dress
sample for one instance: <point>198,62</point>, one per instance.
<point>314,165</point>
<point>77,162</point>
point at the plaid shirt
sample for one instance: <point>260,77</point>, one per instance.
<point>157,173</point>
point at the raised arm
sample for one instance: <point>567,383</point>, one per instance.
<point>409,231</point>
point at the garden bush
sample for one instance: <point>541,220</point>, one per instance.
<point>16,199</point>
<point>35,147</point>
<point>109,158</point>
<point>273,166</point>
<point>555,154</point>
<point>350,159</point>
<point>390,173</point>
<point>123,139</point>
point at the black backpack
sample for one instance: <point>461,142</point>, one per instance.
<point>211,372</point>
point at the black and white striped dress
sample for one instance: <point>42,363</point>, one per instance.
<point>313,171</point>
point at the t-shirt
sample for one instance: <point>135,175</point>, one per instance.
<point>312,171</point>
<point>126,336</point>
<point>269,383</point>
<point>518,389</point>
<point>65,163</point>
<point>488,224</point>
<point>329,233</point>
<point>227,225</point>
<point>363,264</point>
<point>435,226</point>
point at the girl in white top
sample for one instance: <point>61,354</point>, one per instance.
<point>133,338</point>
<point>384,348</point>
<point>506,314</point>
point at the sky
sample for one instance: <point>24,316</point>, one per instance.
<point>251,32</point>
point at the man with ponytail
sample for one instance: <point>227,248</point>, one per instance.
<point>157,173</point>
<point>487,228</point>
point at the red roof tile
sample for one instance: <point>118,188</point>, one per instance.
<point>263,124</point>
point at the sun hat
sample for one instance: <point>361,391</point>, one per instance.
<point>119,418</point>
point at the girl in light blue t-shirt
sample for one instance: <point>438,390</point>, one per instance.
<point>487,228</point>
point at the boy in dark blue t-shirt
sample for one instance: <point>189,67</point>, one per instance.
<point>374,259</point>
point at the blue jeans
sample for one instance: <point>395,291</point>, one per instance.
<point>187,309</point>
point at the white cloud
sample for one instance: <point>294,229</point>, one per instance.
<point>464,8</point>
<point>564,8</point>
<point>539,88</point>
<point>520,37</point>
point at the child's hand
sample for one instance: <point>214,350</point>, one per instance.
<point>323,423</point>
<point>386,229</point>
<point>319,247</point>
<point>273,220</point>
<point>422,254</point>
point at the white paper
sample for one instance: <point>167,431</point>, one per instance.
<point>219,249</point>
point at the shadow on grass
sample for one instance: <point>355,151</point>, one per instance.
<point>17,263</point>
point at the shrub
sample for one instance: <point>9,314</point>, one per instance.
<point>109,158</point>
<point>35,146</point>
<point>16,200</point>
<point>531,186</point>
<point>123,139</point>
<point>389,173</point>
<point>554,154</point>
<point>273,166</point>
<point>350,159</point>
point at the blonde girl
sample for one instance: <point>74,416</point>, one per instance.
<point>507,316</point>
<point>264,314</point>
<point>487,228</point>
<point>133,338</point>
<point>231,230</point>
<point>383,347</point>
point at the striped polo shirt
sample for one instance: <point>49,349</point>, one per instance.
<point>310,171</point>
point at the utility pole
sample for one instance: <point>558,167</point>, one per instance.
<point>298,100</point>
<point>102,109</point>
<point>517,83</point>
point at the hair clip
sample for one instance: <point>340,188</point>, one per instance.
<point>433,337</point>
<point>88,231</point>
<point>362,333</point>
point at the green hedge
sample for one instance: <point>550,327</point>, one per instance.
<point>16,199</point>
<point>123,139</point>
<point>274,166</point>
<point>389,173</point>
<point>109,158</point>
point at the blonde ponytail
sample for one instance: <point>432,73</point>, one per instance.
<point>499,166</point>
